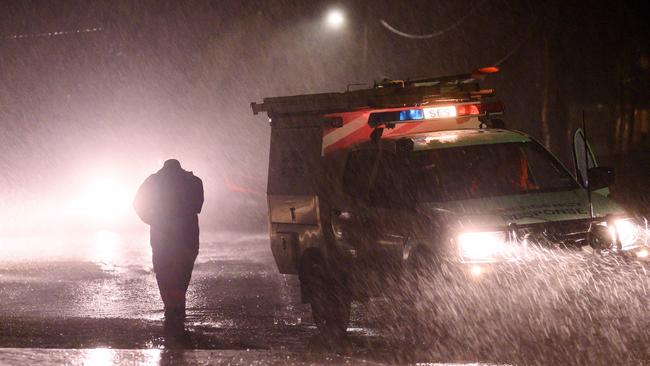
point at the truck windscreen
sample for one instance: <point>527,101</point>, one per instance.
<point>488,170</point>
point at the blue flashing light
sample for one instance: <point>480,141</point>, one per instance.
<point>411,114</point>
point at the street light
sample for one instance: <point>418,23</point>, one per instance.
<point>335,18</point>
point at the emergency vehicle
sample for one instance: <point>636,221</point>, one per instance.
<point>364,185</point>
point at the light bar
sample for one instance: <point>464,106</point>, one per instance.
<point>438,112</point>
<point>411,114</point>
<point>468,110</point>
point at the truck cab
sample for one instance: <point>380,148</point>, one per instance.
<point>364,186</point>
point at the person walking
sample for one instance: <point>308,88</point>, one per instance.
<point>169,201</point>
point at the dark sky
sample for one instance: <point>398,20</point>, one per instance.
<point>168,78</point>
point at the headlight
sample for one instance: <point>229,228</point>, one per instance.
<point>482,246</point>
<point>628,232</point>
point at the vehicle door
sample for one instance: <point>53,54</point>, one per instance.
<point>374,218</point>
<point>583,157</point>
<point>584,160</point>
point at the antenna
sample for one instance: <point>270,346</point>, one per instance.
<point>584,131</point>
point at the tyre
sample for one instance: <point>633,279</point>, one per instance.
<point>330,305</point>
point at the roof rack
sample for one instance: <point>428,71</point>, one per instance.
<point>387,94</point>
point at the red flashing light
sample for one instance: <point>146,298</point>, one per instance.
<point>488,70</point>
<point>467,110</point>
<point>479,74</point>
<point>479,109</point>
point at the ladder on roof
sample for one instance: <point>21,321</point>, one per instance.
<point>388,94</point>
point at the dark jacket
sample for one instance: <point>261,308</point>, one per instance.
<point>169,202</point>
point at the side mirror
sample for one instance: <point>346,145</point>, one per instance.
<point>600,177</point>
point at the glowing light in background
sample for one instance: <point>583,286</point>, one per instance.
<point>476,270</point>
<point>101,202</point>
<point>105,199</point>
<point>105,246</point>
<point>87,215</point>
<point>335,19</point>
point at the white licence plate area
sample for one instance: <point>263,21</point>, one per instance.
<point>439,112</point>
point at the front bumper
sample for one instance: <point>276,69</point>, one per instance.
<point>555,261</point>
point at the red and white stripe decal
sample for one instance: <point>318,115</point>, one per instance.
<point>355,128</point>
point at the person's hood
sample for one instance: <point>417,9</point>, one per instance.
<point>173,171</point>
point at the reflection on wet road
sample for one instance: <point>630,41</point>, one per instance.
<point>157,357</point>
<point>91,300</point>
<point>99,293</point>
<point>234,285</point>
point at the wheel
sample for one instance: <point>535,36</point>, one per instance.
<point>330,305</point>
<point>332,315</point>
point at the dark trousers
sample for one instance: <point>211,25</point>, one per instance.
<point>173,267</point>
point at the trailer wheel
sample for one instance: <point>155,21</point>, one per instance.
<point>330,305</point>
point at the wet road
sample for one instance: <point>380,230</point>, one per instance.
<point>99,292</point>
<point>95,294</point>
<point>95,298</point>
